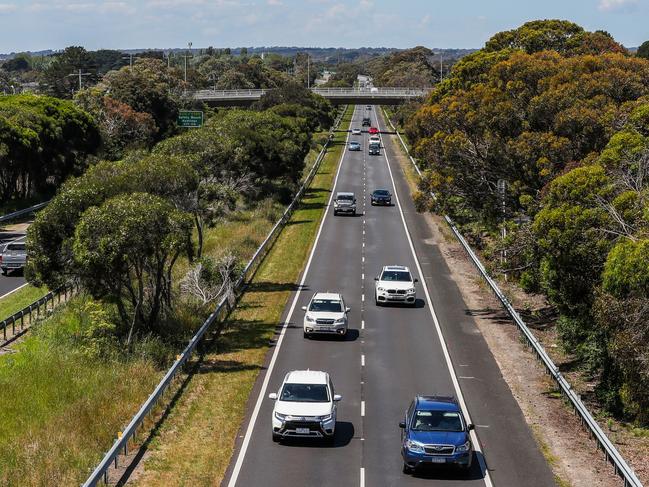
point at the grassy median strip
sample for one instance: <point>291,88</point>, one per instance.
<point>195,444</point>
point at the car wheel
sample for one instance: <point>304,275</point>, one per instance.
<point>373,203</point>
<point>4,272</point>
<point>276,437</point>
<point>407,469</point>
<point>330,440</point>
<point>335,213</point>
<point>354,213</point>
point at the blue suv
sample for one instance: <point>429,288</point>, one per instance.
<point>434,431</point>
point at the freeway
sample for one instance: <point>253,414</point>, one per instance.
<point>389,355</point>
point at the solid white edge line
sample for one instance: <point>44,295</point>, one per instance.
<point>362,477</point>
<point>438,328</point>
<point>264,386</point>
<point>14,290</point>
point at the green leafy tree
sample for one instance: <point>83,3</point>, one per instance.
<point>293,93</point>
<point>60,78</point>
<point>125,251</point>
<point>643,50</point>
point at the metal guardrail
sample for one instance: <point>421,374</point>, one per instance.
<point>24,211</point>
<point>22,319</point>
<point>611,453</point>
<point>218,315</point>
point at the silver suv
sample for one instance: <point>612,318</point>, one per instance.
<point>345,203</point>
<point>326,313</point>
<point>13,256</point>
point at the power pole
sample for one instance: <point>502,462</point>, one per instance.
<point>308,70</point>
<point>80,74</point>
<point>441,68</point>
<point>130,59</point>
<point>188,55</point>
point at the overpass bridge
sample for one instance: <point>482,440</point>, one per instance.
<point>337,96</point>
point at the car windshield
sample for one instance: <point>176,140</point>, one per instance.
<point>345,197</point>
<point>437,421</point>
<point>16,246</point>
<point>396,276</point>
<point>304,393</point>
<point>382,192</point>
<point>326,305</point>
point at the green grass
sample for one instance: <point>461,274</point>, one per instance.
<point>19,299</point>
<point>195,444</point>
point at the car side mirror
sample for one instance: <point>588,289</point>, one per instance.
<point>376,278</point>
<point>273,396</point>
<point>416,280</point>
<point>303,308</point>
<point>337,397</point>
<point>470,427</point>
<point>347,310</point>
<point>402,424</point>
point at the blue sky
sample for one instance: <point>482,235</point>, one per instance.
<point>54,24</point>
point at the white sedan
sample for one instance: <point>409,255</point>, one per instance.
<point>356,131</point>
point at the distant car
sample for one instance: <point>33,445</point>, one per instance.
<point>327,314</point>
<point>345,203</point>
<point>395,284</point>
<point>366,122</point>
<point>354,146</point>
<point>434,432</point>
<point>373,130</point>
<point>13,256</point>
<point>305,406</point>
<point>356,131</point>
<point>381,197</point>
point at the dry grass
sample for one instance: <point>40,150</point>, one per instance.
<point>195,444</point>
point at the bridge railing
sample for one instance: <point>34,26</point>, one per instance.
<point>332,92</point>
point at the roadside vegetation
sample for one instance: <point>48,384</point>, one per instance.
<point>545,131</point>
<point>197,439</point>
<point>19,299</point>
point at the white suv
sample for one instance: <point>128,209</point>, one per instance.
<point>326,313</point>
<point>305,406</point>
<point>395,284</point>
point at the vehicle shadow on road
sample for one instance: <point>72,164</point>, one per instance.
<point>344,435</point>
<point>351,336</point>
<point>442,472</point>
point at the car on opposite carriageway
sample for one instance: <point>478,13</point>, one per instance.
<point>435,432</point>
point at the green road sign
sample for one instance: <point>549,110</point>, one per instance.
<point>188,118</point>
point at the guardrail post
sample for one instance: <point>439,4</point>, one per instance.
<point>22,319</point>
<point>4,330</point>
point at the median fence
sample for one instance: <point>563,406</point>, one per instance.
<point>20,322</point>
<point>603,443</point>
<point>219,315</point>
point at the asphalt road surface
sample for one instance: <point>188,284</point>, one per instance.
<point>390,355</point>
<point>15,279</point>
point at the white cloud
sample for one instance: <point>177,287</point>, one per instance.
<point>275,3</point>
<point>611,5</point>
<point>7,8</point>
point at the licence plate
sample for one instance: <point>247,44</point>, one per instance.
<point>437,460</point>
<point>302,431</point>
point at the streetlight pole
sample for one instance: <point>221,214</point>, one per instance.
<point>186,56</point>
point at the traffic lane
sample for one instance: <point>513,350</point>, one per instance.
<point>511,452</point>
<point>335,267</point>
<point>404,356</point>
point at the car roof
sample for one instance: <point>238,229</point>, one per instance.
<point>395,268</point>
<point>437,403</point>
<point>344,193</point>
<point>327,295</point>
<point>307,377</point>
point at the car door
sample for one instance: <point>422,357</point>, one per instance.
<point>334,407</point>
<point>408,417</point>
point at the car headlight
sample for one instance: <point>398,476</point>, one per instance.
<point>412,290</point>
<point>340,321</point>
<point>381,288</point>
<point>463,448</point>
<point>414,446</point>
<point>309,319</point>
<point>280,416</point>
<point>326,417</point>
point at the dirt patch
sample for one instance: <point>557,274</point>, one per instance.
<point>566,445</point>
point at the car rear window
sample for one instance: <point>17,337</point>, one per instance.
<point>437,421</point>
<point>16,246</point>
<point>304,393</point>
<point>326,305</point>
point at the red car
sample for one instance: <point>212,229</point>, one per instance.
<point>373,130</point>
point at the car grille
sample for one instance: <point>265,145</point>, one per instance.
<point>396,291</point>
<point>312,425</point>
<point>323,321</point>
<point>439,449</point>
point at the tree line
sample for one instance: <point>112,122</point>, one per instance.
<point>546,128</point>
